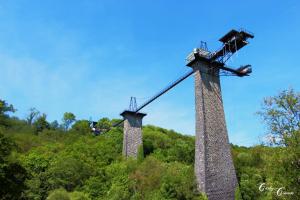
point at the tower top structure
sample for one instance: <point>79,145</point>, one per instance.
<point>231,42</point>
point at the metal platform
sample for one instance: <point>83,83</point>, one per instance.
<point>232,41</point>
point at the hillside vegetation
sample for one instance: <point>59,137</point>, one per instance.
<point>43,160</point>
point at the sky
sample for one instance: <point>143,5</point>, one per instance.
<point>89,57</point>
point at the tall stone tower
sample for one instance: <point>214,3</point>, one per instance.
<point>132,137</point>
<point>214,169</point>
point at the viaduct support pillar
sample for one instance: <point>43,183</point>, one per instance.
<point>214,169</point>
<point>132,137</point>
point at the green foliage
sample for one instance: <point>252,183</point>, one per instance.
<point>63,172</point>
<point>68,119</point>
<point>176,182</point>
<point>59,194</point>
<point>148,175</point>
<point>167,145</point>
<point>118,180</point>
<point>12,174</point>
<point>249,185</point>
<point>237,194</point>
<point>5,108</point>
<point>116,121</point>
<point>97,186</point>
<point>155,179</point>
<point>140,155</point>
<point>82,126</point>
<point>62,194</point>
<point>79,196</point>
<point>282,116</point>
<point>41,124</point>
<point>54,125</point>
<point>36,162</point>
<point>104,124</point>
<point>32,115</point>
<point>6,146</point>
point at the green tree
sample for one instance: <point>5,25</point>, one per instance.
<point>54,125</point>
<point>177,182</point>
<point>119,183</point>
<point>104,124</point>
<point>82,126</point>
<point>37,162</point>
<point>68,172</point>
<point>182,151</point>
<point>12,174</point>
<point>32,115</point>
<point>59,194</point>
<point>68,119</point>
<point>79,196</point>
<point>116,121</point>
<point>147,177</point>
<point>140,154</point>
<point>62,194</point>
<point>249,184</point>
<point>41,123</point>
<point>5,108</point>
<point>282,116</point>
<point>97,186</point>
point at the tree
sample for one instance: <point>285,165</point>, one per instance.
<point>33,114</point>
<point>68,120</point>
<point>54,125</point>
<point>176,182</point>
<point>59,194</point>
<point>4,109</point>
<point>12,174</point>
<point>79,196</point>
<point>148,175</point>
<point>68,172</point>
<point>62,194</point>
<point>104,124</point>
<point>116,121</point>
<point>82,126</point>
<point>41,123</point>
<point>282,115</point>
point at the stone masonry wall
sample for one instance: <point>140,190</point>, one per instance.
<point>132,137</point>
<point>214,169</point>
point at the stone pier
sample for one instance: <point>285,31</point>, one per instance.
<point>132,137</point>
<point>214,169</point>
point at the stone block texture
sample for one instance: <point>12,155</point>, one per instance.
<point>132,137</point>
<point>214,169</point>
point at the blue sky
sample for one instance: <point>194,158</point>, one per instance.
<point>89,57</point>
